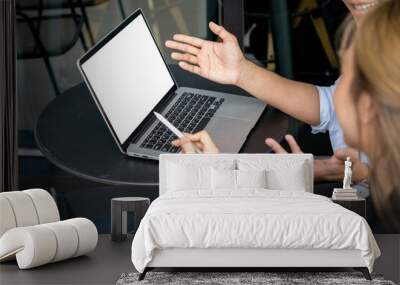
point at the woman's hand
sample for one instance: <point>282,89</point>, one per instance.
<point>217,61</point>
<point>360,169</point>
<point>200,141</point>
<point>329,169</point>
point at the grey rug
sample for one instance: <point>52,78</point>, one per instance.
<point>232,278</point>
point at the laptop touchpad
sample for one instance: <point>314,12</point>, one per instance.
<point>226,135</point>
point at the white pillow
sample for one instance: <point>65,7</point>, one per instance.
<point>251,178</point>
<point>223,179</point>
<point>227,179</point>
<point>278,180</point>
<point>282,173</point>
<point>188,177</point>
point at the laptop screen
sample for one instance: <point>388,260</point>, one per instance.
<point>128,76</point>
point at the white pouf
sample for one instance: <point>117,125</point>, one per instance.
<point>7,218</point>
<point>23,208</point>
<point>46,207</point>
<point>37,245</point>
<point>31,231</point>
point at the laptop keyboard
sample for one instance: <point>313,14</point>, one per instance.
<point>190,113</point>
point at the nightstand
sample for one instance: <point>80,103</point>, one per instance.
<point>120,208</point>
<point>357,206</point>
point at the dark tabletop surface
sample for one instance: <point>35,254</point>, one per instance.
<point>72,134</point>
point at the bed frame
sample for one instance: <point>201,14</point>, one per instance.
<point>242,259</point>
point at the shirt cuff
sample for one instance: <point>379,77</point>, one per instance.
<point>325,109</point>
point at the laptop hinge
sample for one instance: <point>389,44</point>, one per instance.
<point>150,118</point>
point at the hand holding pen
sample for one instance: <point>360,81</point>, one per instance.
<point>200,142</point>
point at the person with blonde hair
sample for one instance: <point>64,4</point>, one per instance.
<point>224,62</point>
<point>367,101</point>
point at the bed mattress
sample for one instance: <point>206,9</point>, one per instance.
<point>250,219</point>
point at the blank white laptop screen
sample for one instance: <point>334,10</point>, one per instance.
<point>129,77</point>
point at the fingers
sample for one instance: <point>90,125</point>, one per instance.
<point>185,144</point>
<point>340,154</point>
<point>294,147</point>
<point>192,143</point>
<point>219,31</point>
<point>189,67</point>
<point>184,57</point>
<point>189,40</point>
<point>202,137</point>
<point>343,153</point>
<point>188,148</point>
<point>275,146</point>
<point>181,141</point>
<point>329,169</point>
<point>182,47</point>
<point>204,142</point>
<point>176,142</point>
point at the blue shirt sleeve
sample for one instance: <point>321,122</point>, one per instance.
<point>326,108</point>
<point>328,120</point>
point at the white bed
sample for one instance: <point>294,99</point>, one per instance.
<point>216,224</point>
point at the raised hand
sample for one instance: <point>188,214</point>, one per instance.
<point>218,61</point>
<point>201,141</point>
<point>329,169</point>
<point>277,148</point>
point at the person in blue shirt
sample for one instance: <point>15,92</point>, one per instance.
<point>223,62</point>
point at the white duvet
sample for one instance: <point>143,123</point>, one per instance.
<point>250,219</point>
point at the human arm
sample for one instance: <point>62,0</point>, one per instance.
<point>328,169</point>
<point>224,62</point>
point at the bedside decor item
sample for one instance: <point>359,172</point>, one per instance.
<point>347,174</point>
<point>120,207</point>
<point>347,192</point>
<point>31,231</point>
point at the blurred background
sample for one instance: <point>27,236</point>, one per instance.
<point>294,38</point>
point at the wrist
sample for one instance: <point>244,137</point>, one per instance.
<point>363,173</point>
<point>318,171</point>
<point>244,73</point>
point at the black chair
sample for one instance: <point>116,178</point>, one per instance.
<point>33,42</point>
<point>41,5</point>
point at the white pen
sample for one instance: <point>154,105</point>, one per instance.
<point>173,129</point>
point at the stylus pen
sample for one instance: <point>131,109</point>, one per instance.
<point>173,129</point>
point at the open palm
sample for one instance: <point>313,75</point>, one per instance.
<point>217,61</point>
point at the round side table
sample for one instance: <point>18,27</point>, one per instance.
<point>120,207</point>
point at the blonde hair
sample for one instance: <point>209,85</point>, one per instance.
<point>377,72</point>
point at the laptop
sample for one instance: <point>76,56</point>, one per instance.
<point>128,79</point>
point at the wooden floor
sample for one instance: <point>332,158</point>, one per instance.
<point>103,266</point>
<point>106,264</point>
<point>389,262</point>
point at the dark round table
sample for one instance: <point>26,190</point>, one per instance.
<point>71,133</point>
